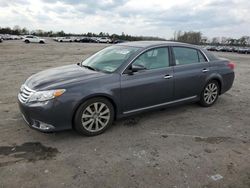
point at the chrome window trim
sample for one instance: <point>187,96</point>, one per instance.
<point>204,55</point>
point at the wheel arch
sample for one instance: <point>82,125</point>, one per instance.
<point>101,95</point>
<point>217,78</point>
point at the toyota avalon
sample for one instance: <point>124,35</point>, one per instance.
<point>122,80</point>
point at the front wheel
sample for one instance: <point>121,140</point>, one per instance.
<point>94,116</point>
<point>210,94</point>
<point>27,41</point>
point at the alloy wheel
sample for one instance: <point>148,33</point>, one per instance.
<point>210,93</point>
<point>95,116</point>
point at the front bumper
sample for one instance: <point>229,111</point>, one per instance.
<point>45,117</point>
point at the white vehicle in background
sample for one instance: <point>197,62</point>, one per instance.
<point>65,39</point>
<point>77,39</point>
<point>56,38</point>
<point>33,39</point>
<point>104,40</point>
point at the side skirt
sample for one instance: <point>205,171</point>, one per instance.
<point>192,98</point>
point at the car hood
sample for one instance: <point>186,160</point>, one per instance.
<point>59,76</point>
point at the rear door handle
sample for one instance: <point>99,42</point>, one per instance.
<point>168,76</point>
<point>205,70</point>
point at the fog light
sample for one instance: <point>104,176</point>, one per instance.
<point>43,126</point>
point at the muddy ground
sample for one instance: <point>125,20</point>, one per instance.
<point>184,146</point>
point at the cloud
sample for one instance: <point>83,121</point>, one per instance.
<point>137,17</point>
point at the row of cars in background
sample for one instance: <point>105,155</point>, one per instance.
<point>242,50</point>
<point>24,38</point>
<point>87,39</point>
<point>10,37</point>
<point>35,39</point>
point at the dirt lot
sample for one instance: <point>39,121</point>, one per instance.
<point>179,147</point>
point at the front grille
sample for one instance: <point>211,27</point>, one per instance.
<point>25,93</point>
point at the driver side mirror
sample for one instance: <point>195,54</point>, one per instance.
<point>134,68</point>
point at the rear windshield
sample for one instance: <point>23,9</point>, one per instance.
<point>210,55</point>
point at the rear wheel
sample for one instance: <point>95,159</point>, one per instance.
<point>41,42</point>
<point>210,93</point>
<point>27,41</point>
<point>94,116</point>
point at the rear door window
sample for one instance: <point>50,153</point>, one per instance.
<point>201,57</point>
<point>184,56</point>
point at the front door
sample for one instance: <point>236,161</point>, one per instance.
<point>150,86</point>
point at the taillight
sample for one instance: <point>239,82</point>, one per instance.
<point>231,65</point>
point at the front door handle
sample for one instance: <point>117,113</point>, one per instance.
<point>168,76</point>
<point>205,70</point>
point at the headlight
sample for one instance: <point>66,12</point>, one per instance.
<point>41,96</point>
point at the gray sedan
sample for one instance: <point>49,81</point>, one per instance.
<point>122,80</point>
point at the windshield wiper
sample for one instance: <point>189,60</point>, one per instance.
<point>89,67</point>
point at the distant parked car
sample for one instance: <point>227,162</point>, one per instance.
<point>104,40</point>
<point>86,39</point>
<point>244,50</point>
<point>94,39</point>
<point>212,48</point>
<point>15,37</point>
<point>65,39</point>
<point>55,38</point>
<point>219,48</point>
<point>6,37</point>
<point>77,39</point>
<point>235,49</point>
<point>119,41</point>
<point>33,39</point>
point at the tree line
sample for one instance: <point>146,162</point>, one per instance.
<point>188,37</point>
<point>197,38</point>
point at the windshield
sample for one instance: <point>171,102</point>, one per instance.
<point>109,59</point>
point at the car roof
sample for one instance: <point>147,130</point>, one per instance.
<point>148,44</point>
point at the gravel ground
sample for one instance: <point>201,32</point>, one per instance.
<point>184,146</point>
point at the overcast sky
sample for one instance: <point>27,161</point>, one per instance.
<point>136,17</point>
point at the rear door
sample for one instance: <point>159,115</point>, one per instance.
<point>149,87</point>
<point>190,71</point>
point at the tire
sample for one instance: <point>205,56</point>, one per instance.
<point>27,41</point>
<point>94,116</point>
<point>210,93</point>
<point>41,42</point>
